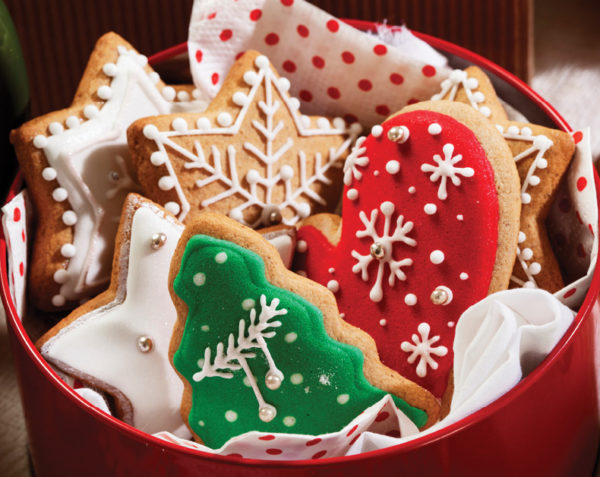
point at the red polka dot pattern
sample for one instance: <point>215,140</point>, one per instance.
<point>577,137</point>
<point>318,62</point>
<point>365,85</point>
<point>319,454</point>
<point>226,35</point>
<point>255,14</point>
<point>289,66</point>
<point>351,431</point>
<point>21,269</point>
<point>380,49</point>
<point>272,39</point>
<point>287,3</point>
<point>382,416</point>
<point>268,437</point>
<point>570,293</point>
<point>273,451</point>
<point>347,57</point>
<point>393,433</point>
<point>214,78</point>
<point>412,101</point>
<point>305,95</point>
<point>333,26</point>
<point>23,236</point>
<point>581,183</point>
<point>302,31</point>
<point>198,56</point>
<point>211,16</point>
<point>314,442</point>
<point>333,92</point>
<point>382,109</point>
<point>239,55</point>
<point>16,214</point>
<point>396,78</point>
<point>350,118</point>
<point>355,438</point>
<point>428,71</point>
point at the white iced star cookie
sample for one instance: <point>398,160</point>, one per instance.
<point>251,154</point>
<point>77,168</point>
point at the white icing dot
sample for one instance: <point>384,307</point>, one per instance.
<point>196,93</point>
<point>525,198</point>
<point>301,246</point>
<point>246,381</point>
<point>478,97</point>
<point>535,268</point>
<point>283,83</point>
<point>289,421</point>
<point>252,176</point>
<point>154,77</point>
<point>69,218</point>
<point>376,130</point>
<point>55,128</point>
<point>460,217</point>
<point>526,131</point>
<point>323,123</point>
<point>179,124</point>
<point>72,122</point>
<point>68,250</point>
<point>392,167</point>
<point>286,172</point>
<point>500,128</point>
<point>205,328</point>
<point>513,130</point>
<point>436,257</point>
<point>464,276</point>
<point>90,111</point>
<point>305,120</point>
<point>40,141</point>
<point>150,131</point>
<point>104,92</point>
<point>352,194</point>
<point>200,363</point>
<point>434,129</point>
<point>534,180</point>
<point>60,276</point>
<point>472,83</point>
<point>290,337</point>
<point>158,158</point>
<point>485,111</point>
<point>294,103</point>
<point>199,279</point>
<point>183,95</point>
<point>522,237</point>
<point>456,76</point>
<point>383,322</point>
<point>221,257</point>
<point>410,299</point>
<point>224,119</point>
<point>303,209</point>
<point>203,124</point>
<point>240,98</point>
<point>248,304</point>
<point>333,286</point>
<point>59,194</point>
<point>141,60</point>
<point>250,78</point>
<point>451,324</point>
<point>387,207</point>
<point>412,189</point>
<point>355,129</point>
<point>173,207</point>
<point>169,93</point>
<point>58,300</point>
<point>529,285</point>
<point>49,173</point>
<point>231,416</point>
<point>236,214</point>
<point>375,173</point>
<point>110,69</point>
<point>166,183</point>
<point>542,163</point>
<point>331,270</point>
<point>296,378</point>
<point>261,61</point>
<point>201,423</point>
<point>339,123</point>
<point>527,254</point>
<point>430,209</point>
<point>343,398</point>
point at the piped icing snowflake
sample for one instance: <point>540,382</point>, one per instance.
<point>255,189</point>
<point>354,160</point>
<point>422,348</point>
<point>444,169</point>
<point>382,247</point>
<point>459,78</point>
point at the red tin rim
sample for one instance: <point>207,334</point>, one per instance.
<point>24,340</point>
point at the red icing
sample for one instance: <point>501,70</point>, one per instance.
<point>469,245</point>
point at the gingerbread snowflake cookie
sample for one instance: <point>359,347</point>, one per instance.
<point>429,227</point>
<point>251,154</point>
<point>542,156</point>
<point>77,168</point>
<point>260,348</point>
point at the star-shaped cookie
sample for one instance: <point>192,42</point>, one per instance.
<point>77,168</point>
<point>542,156</point>
<point>251,154</point>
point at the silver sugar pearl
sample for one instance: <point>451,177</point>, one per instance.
<point>267,413</point>
<point>439,296</point>
<point>377,251</point>
<point>273,381</point>
<point>114,176</point>
<point>275,217</point>
<point>398,134</point>
<point>144,344</point>
<point>158,240</point>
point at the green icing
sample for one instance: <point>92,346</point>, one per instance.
<point>323,386</point>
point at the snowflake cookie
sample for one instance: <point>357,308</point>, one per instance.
<point>251,154</point>
<point>542,156</point>
<point>260,348</point>
<point>429,227</point>
<point>118,342</point>
<point>77,168</point>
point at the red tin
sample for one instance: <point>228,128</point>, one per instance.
<point>547,425</point>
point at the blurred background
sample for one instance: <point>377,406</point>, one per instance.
<point>552,44</point>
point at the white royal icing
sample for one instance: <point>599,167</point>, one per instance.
<point>422,348</point>
<point>444,169</point>
<point>460,78</point>
<point>82,158</point>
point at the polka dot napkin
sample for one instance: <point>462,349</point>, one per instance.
<point>333,68</point>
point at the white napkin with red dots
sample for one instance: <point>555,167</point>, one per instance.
<point>334,69</point>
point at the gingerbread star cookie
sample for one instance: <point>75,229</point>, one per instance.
<point>260,348</point>
<point>429,227</point>
<point>542,156</point>
<point>118,341</point>
<point>251,155</point>
<point>77,168</point>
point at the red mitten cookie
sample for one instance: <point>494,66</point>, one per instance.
<point>429,227</point>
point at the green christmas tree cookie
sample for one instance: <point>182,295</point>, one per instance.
<point>257,357</point>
